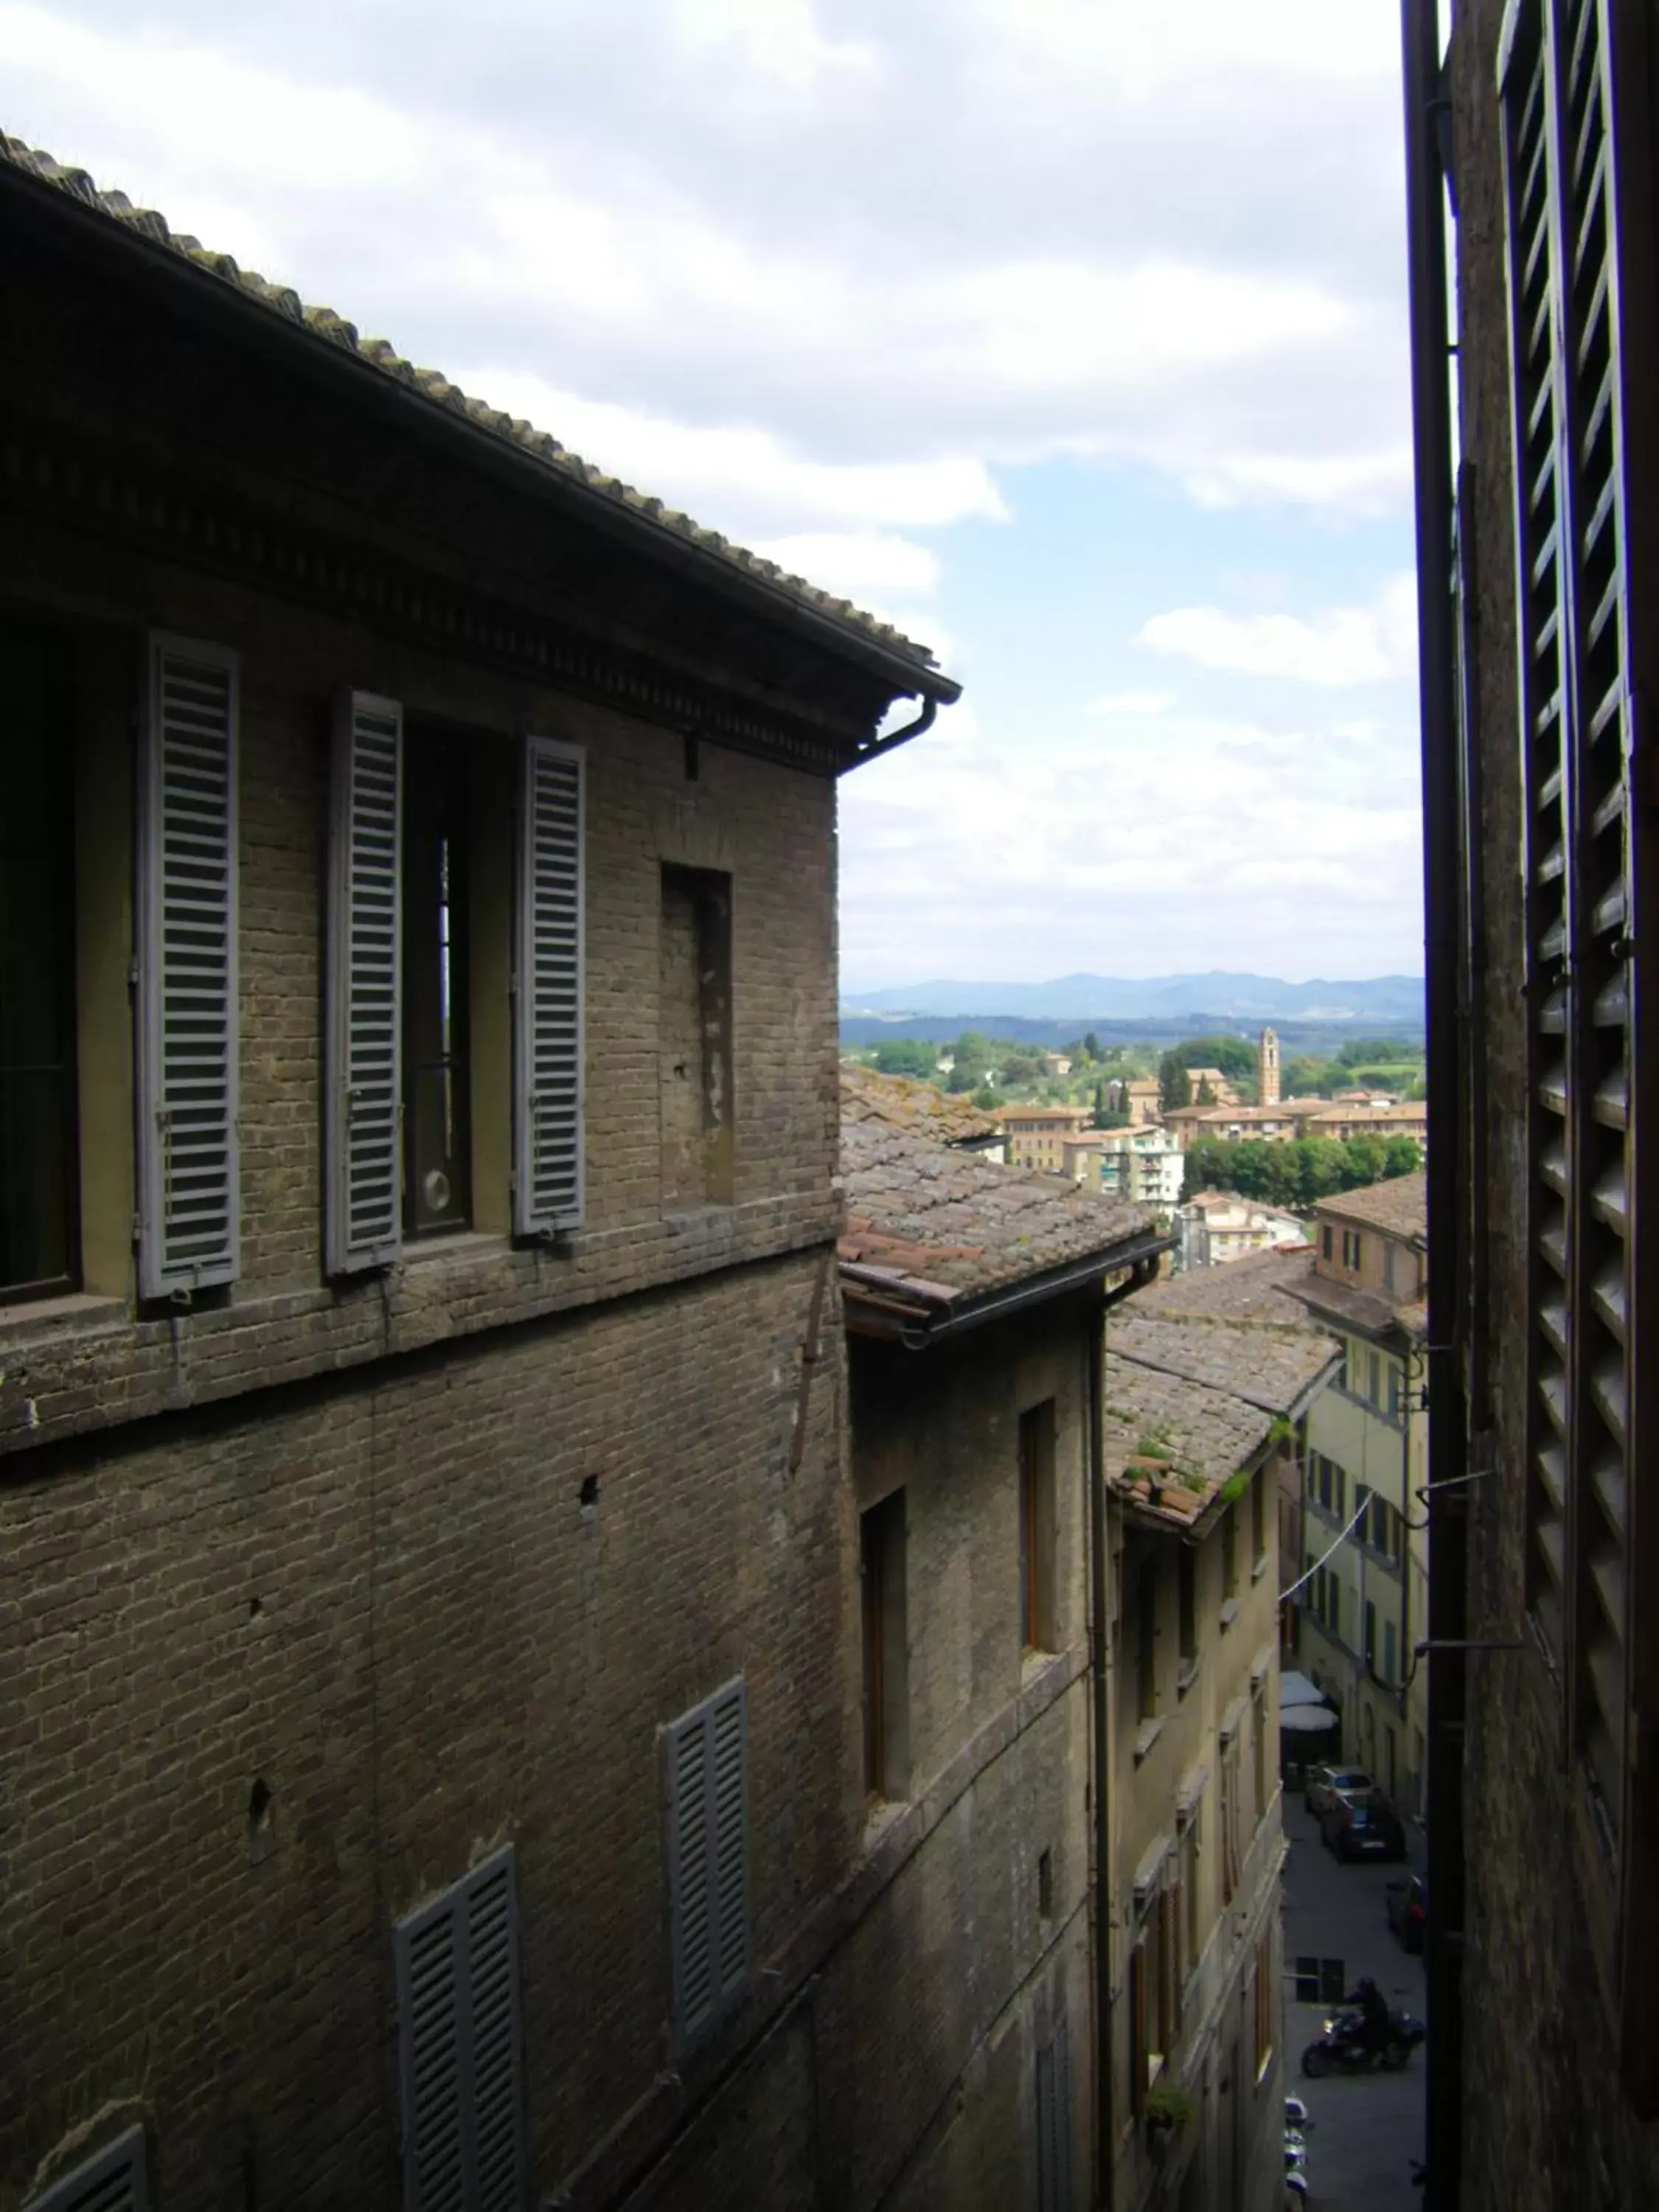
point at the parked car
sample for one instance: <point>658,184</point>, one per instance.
<point>1408,1910</point>
<point>1323,1786</point>
<point>1366,1828</point>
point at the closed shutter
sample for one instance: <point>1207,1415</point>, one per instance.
<point>459,2047</point>
<point>364,1076</point>
<point>548,1036</point>
<point>708,1818</point>
<point>115,2180</point>
<point>188,1195</point>
<point>1576,169</point>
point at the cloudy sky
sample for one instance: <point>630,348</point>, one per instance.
<point>1070,334</point>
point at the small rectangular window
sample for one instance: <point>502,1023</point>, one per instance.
<point>436,975</point>
<point>459,2039</point>
<point>1264,2005</point>
<point>1370,1634</point>
<point>1037,1627</point>
<point>1259,1752</point>
<point>693,1038</point>
<point>39,1234</point>
<point>1327,1242</point>
<point>706,1752</point>
<point>886,1657</point>
<point>1186,1572</point>
<point>1188,1859</point>
<point>1146,1639</point>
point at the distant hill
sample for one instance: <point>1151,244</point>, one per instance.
<point>1187,1002</point>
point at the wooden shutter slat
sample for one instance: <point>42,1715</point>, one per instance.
<point>706,1768</point>
<point>459,2039</point>
<point>549,1039</point>
<point>115,2179</point>
<point>363,1077</point>
<point>188,1195</point>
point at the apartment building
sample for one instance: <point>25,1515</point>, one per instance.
<point>1037,1135</point>
<point>959,2014</point>
<point>1195,1839</point>
<point>1364,1474</point>
<point>430,1679</point>
<point>1144,1165</point>
<point>1216,1227</point>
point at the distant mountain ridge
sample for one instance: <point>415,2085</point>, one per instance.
<point>1392,999</point>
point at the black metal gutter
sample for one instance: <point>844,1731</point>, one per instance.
<point>1426,111</point>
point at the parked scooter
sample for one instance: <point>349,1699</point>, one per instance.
<point>1344,2046</point>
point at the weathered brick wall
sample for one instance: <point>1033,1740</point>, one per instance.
<point>1544,2123</point>
<point>384,1599</point>
<point>771,827</point>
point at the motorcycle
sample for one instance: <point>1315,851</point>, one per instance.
<point>1345,2047</point>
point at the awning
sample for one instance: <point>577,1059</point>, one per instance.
<point>1307,1719</point>
<point>1296,1689</point>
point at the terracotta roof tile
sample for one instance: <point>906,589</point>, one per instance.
<point>536,445</point>
<point>1171,1444</point>
<point>1258,1286</point>
<point>1400,1205</point>
<point>1270,1366</point>
<point>905,1102</point>
<point>921,1209</point>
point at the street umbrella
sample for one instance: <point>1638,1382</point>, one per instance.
<point>1307,1719</point>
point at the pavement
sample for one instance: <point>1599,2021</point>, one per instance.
<point>1367,2126</point>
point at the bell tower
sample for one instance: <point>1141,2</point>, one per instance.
<point>1267,1069</point>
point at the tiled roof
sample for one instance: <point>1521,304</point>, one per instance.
<point>1170,1443</point>
<point>1257,1287</point>
<point>1349,1307</point>
<point>926,1218</point>
<point>535,446</point>
<point>1270,1366</point>
<point>1400,1205</point>
<point>905,1102</point>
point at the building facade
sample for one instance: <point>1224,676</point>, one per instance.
<point>1037,1135</point>
<point>1196,1841</point>
<point>430,1686</point>
<point>1530,156</point>
<point>1144,1165</point>
<point>973,1295</point>
<point>1366,1471</point>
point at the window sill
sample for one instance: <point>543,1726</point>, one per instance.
<point>1228,1614</point>
<point>452,1244</point>
<point>1259,1568</point>
<point>69,1310</point>
<point>1145,1736</point>
<point>1190,1671</point>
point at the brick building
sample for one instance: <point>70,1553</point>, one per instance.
<point>1538,642</point>
<point>1366,1475</point>
<point>974,1296</point>
<point>1037,1135</point>
<point>1195,1840</point>
<point>430,1700</point>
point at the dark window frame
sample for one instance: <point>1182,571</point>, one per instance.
<point>58,738</point>
<point>437,976</point>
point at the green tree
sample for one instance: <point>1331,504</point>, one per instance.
<point>1367,1162</point>
<point>988,1100</point>
<point>972,1050</point>
<point>1019,1068</point>
<point>1305,1078</point>
<point>908,1056</point>
<point>1091,1045</point>
<point>962,1079</point>
<point>1320,1169</point>
<point>1362,1049</point>
<point>1401,1157</point>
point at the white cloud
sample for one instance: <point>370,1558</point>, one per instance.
<point>1376,644</point>
<point>1168,236</point>
<point>1131,706</point>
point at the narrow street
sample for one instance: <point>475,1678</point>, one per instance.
<point>1368,2126</point>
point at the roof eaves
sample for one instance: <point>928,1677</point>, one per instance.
<point>538,459</point>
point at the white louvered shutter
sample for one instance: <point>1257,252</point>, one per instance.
<point>364,1073</point>
<point>547,1034</point>
<point>116,2179</point>
<point>707,1787</point>
<point>459,2047</point>
<point>188,1204</point>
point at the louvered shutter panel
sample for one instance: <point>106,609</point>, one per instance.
<point>1547,771</point>
<point>549,1013</point>
<point>364,1073</point>
<point>459,2038</point>
<point>707,1755</point>
<point>116,2179</point>
<point>188,1207</point>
